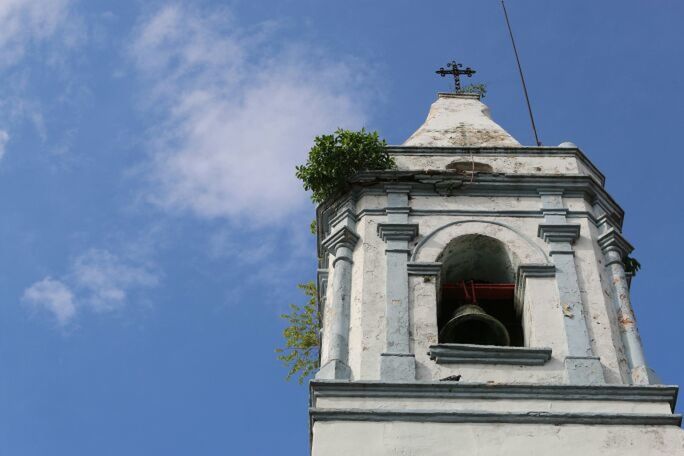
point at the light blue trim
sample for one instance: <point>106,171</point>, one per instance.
<point>461,222</point>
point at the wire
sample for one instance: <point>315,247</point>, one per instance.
<point>522,78</point>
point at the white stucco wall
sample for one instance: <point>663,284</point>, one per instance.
<point>549,164</point>
<point>446,439</point>
<point>542,318</point>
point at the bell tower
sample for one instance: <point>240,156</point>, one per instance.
<point>474,301</point>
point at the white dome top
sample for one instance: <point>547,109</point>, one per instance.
<point>460,120</point>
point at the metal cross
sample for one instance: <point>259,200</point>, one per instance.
<point>455,70</point>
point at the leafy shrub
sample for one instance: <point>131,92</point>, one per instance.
<point>301,336</point>
<point>480,89</point>
<point>335,158</point>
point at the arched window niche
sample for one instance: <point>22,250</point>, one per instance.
<point>476,289</point>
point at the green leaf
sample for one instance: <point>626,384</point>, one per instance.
<point>480,89</point>
<point>300,354</point>
<point>335,158</point>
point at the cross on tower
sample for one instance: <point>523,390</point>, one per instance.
<point>455,70</point>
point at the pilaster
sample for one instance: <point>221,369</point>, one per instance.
<point>615,248</point>
<point>335,361</point>
<point>581,366</point>
<point>396,362</point>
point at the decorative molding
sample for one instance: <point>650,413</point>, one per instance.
<point>424,269</point>
<point>537,417</point>
<point>488,354</point>
<point>514,391</point>
<point>607,221</point>
<point>343,237</point>
<point>515,185</point>
<point>530,270</point>
<point>499,152</point>
<point>397,231</point>
<point>550,232</point>
<point>613,240</point>
<point>423,241</point>
<point>473,213</point>
<point>341,215</point>
<point>535,270</point>
<point>404,210</point>
<point>398,188</point>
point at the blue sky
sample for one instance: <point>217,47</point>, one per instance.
<point>152,229</point>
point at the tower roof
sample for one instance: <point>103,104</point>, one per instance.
<point>460,119</point>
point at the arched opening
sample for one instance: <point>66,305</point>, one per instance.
<point>477,288</point>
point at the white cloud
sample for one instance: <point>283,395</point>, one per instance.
<point>26,22</point>
<point>36,36</point>
<point>54,296</point>
<point>4,137</point>
<point>236,110</point>
<point>97,280</point>
<point>105,279</point>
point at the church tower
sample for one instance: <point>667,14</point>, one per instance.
<point>475,302</point>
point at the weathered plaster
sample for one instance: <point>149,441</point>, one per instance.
<point>444,439</point>
<point>459,120</point>
<point>548,207</point>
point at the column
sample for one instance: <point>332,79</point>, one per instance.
<point>581,366</point>
<point>615,248</point>
<point>341,244</point>
<point>397,363</point>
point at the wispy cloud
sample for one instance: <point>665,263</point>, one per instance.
<point>235,110</point>
<point>54,297</point>
<point>34,35</point>
<point>4,137</point>
<point>29,22</point>
<point>105,279</point>
<point>98,280</point>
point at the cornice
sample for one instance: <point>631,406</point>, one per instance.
<point>541,417</point>
<point>426,183</point>
<point>343,237</point>
<point>559,232</point>
<point>535,270</point>
<point>613,240</point>
<point>522,391</point>
<point>501,151</point>
<point>424,269</point>
<point>397,231</point>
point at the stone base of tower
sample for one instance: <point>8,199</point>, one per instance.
<point>445,418</point>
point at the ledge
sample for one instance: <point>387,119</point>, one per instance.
<point>397,231</point>
<point>442,416</point>
<point>488,354</point>
<point>522,391</point>
<point>551,232</point>
<point>426,269</point>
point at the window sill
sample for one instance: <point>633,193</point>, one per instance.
<point>488,354</point>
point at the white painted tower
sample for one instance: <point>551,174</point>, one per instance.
<point>474,301</point>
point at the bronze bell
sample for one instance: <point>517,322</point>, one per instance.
<point>472,325</point>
